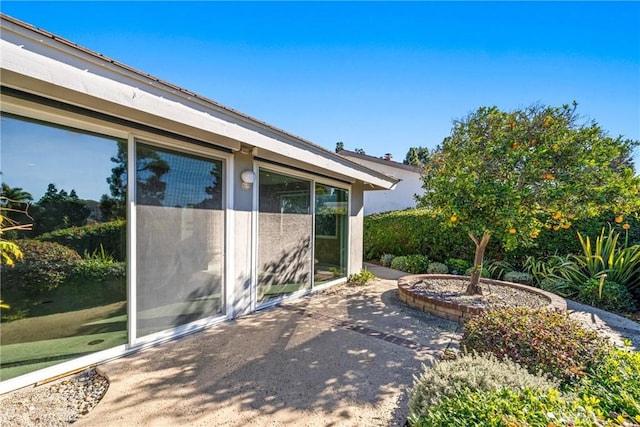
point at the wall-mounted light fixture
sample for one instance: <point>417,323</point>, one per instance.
<point>248,177</point>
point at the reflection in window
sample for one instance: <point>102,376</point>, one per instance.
<point>331,234</point>
<point>67,296</point>
<point>284,235</point>
<point>180,238</point>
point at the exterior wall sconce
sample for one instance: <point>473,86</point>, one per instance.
<point>248,177</point>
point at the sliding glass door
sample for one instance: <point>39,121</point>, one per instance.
<point>284,235</point>
<point>331,219</point>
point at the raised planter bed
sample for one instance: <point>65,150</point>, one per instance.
<point>455,311</point>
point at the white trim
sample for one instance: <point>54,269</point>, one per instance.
<point>229,240</point>
<point>132,246</point>
<point>254,238</point>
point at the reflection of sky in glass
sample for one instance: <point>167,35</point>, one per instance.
<point>187,178</point>
<point>34,155</point>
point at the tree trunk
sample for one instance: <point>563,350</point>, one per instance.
<point>481,245</point>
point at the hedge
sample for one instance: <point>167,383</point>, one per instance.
<point>415,231</point>
<point>87,239</point>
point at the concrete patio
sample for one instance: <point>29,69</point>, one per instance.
<point>343,357</point>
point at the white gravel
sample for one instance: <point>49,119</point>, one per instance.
<point>56,404</point>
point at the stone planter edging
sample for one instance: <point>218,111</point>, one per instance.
<point>459,312</point>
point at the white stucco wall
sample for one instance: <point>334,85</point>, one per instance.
<point>401,197</point>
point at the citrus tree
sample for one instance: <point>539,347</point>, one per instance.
<point>506,175</point>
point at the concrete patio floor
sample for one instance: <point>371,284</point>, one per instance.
<point>342,357</point>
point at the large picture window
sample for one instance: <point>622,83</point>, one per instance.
<point>180,238</point>
<point>66,297</point>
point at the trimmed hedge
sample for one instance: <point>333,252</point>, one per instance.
<point>415,231</point>
<point>87,239</point>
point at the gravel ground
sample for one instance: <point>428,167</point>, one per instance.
<point>493,296</point>
<point>57,404</point>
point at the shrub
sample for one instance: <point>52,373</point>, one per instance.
<point>542,340</point>
<point>471,371</point>
<point>437,268</point>
<point>417,264</point>
<point>518,277</point>
<point>607,295</point>
<point>386,259</point>
<point>90,272</point>
<point>497,269</point>
<point>399,263</point>
<point>528,407</point>
<point>615,382</point>
<point>44,266</point>
<point>414,264</point>
<point>362,278</point>
<point>457,265</point>
<point>87,239</point>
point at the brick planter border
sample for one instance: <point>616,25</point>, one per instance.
<point>460,312</point>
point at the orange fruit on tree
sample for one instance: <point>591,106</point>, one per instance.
<point>626,226</point>
<point>512,230</point>
<point>557,215</point>
<point>618,219</point>
<point>556,227</point>
<point>515,145</point>
<point>453,218</point>
<point>548,176</point>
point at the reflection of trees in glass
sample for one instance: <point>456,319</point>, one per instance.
<point>150,167</point>
<point>114,206</point>
<point>214,190</point>
<point>57,210</point>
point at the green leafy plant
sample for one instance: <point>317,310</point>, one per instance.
<point>437,268</point>
<point>557,286</point>
<point>518,277</point>
<point>497,269</point>
<point>505,407</point>
<point>614,381</point>
<point>470,371</point>
<point>44,267</point>
<point>542,340</point>
<point>414,264</point>
<point>607,295</point>
<point>362,278</point>
<point>485,272</point>
<point>605,257</point>
<point>386,259</point>
<point>457,265</point>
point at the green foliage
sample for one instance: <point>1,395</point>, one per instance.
<point>485,272</point>
<point>606,256</point>
<point>507,175</point>
<point>497,269</point>
<point>58,209</point>
<point>457,265</point>
<point>93,272</point>
<point>518,277</point>
<point>110,236</point>
<point>414,264</point>
<point>386,259</point>
<point>44,266</point>
<point>417,156</point>
<point>437,268</point>
<point>528,407</point>
<point>557,286</point>
<point>615,382</point>
<point>471,371</point>
<point>542,340</point>
<point>362,278</point>
<point>607,295</point>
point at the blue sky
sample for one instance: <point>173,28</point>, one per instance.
<point>378,76</point>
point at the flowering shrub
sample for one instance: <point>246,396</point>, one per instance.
<point>542,340</point>
<point>44,266</point>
